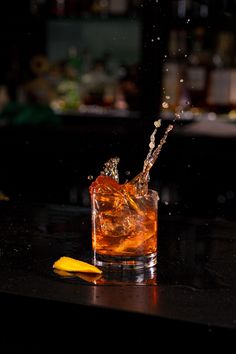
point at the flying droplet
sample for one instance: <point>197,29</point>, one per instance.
<point>177,115</point>
<point>165,105</point>
<point>90,177</point>
<point>157,123</point>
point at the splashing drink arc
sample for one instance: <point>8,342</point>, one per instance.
<point>124,216</point>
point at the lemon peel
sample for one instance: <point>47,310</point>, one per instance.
<point>74,265</point>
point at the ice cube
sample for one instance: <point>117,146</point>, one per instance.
<point>104,184</point>
<point>119,223</point>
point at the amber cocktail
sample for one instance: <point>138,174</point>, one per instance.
<point>124,216</point>
<point>124,225</point>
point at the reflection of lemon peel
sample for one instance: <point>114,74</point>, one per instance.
<point>91,278</point>
<point>63,273</point>
<point>73,265</point>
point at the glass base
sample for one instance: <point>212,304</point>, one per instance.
<point>125,263</point>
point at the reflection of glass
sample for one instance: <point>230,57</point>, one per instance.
<point>124,231</point>
<point>139,277</point>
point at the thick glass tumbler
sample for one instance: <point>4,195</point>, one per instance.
<point>124,230</point>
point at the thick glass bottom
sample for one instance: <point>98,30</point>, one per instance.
<point>125,263</point>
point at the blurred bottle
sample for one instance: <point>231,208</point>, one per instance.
<point>38,8</point>
<point>196,69</point>
<point>100,7</point>
<point>67,78</point>
<point>97,87</point>
<point>218,96</point>
<point>180,8</point>
<point>191,9</point>
<point>134,7</point>
<point>174,90</point>
<point>232,91</point>
<point>57,8</point>
<point>68,93</point>
<point>84,7</point>
<point>4,97</point>
<point>118,7</point>
<point>71,8</point>
<point>38,90</point>
<point>74,61</point>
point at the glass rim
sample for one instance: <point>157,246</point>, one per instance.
<point>151,192</point>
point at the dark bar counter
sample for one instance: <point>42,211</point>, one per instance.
<point>191,292</point>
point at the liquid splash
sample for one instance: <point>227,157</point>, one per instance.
<point>110,168</point>
<point>139,184</point>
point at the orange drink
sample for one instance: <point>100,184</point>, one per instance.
<point>124,225</point>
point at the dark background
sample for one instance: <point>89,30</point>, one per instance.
<point>194,173</point>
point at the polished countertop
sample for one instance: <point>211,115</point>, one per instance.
<point>193,284</point>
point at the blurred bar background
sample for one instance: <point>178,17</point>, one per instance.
<point>83,81</point>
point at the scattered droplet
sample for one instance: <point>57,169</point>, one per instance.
<point>181,80</point>
<point>170,213</point>
<point>188,20</point>
<point>158,38</point>
<point>90,177</point>
<point>165,105</point>
<point>166,202</point>
<point>167,69</point>
<point>127,173</point>
<point>168,97</point>
<point>152,40</point>
<point>177,115</point>
<point>157,123</point>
